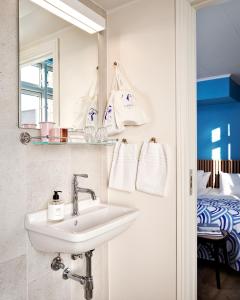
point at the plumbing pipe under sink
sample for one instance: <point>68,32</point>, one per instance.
<point>86,281</point>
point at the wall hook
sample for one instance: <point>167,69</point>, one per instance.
<point>153,140</point>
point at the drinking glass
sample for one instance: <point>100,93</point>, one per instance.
<point>45,128</point>
<point>89,134</point>
<point>101,135</point>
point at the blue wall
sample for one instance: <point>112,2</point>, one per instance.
<point>217,90</point>
<point>213,89</point>
<point>225,118</point>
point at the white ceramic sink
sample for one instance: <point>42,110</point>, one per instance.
<point>96,224</point>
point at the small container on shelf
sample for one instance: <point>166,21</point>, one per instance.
<point>54,135</point>
<point>76,136</point>
<point>45,128</point>
<point>89,134</point>
<point>101,135</point>
<point>63,135</point>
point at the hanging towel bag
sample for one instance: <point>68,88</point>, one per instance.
<point>128,110</point>
<point>87,108</point>
<point>122,108</point>
<point>109,120</point>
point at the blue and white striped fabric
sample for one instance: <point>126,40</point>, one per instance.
<point>225,213</point>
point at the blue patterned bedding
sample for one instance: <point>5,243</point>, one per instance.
<point>226,213</point>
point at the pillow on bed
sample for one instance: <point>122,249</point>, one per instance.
<point>202,180</point>
<point>199,175</point>
<point>199,180</point>
<point>206,176</point>
<point>229,183</point>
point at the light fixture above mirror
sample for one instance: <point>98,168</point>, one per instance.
<point>74,12</point>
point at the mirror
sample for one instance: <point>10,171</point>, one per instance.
<point>57,67</point>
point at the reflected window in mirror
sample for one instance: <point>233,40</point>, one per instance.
<point>36,103</point>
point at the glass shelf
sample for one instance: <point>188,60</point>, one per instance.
<point>107,143</point>
<point>26,138</point>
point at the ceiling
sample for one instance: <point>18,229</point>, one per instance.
<point>36,23</point>
<point>218,40</point>
<point>46,23</point>
<point>26,7</point>
<point>111,4</point>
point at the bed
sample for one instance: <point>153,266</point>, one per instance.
<point>224,210</point>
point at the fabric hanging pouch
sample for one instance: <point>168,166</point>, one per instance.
<point>109,120</point>
<point>110,115</point>
<point>122,108</point>
<point>87,108</point>
<point>124,167</point>
<point>128,110</point>
<point>152,169</point>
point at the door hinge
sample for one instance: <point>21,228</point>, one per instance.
<point>190,182</point>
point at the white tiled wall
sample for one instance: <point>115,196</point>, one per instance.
<point>13,279</point>
<point>28,176</point>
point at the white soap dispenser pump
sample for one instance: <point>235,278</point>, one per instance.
<point>56,208</point>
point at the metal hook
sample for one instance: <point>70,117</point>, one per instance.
<point>153,140</point>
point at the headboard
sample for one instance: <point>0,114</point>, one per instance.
<point>215,166</point>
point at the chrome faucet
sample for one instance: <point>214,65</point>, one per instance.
<point>77,189</point>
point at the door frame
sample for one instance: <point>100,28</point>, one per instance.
<point>186,137</point>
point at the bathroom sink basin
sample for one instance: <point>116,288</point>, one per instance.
<point>96,224</point>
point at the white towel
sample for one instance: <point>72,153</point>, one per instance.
<point>152,169</point>
<point>124,167</point>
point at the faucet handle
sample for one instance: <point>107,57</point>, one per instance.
<point>81,175</point>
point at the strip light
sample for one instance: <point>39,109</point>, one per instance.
<point>75,13</point>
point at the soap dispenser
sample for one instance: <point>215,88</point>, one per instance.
<point>56,208</point>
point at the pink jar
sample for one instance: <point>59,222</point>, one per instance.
<point>55,135</point>
<point>45,128</point>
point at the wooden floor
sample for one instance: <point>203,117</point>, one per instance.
<point>207,290</point>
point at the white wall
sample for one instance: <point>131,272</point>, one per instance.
<point>78,62</point>
<point>28,175</point>
<point>142,261</point>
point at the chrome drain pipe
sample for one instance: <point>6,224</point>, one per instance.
<point>67,274</point>
<point>89,278</point>
<point>86,281</point>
